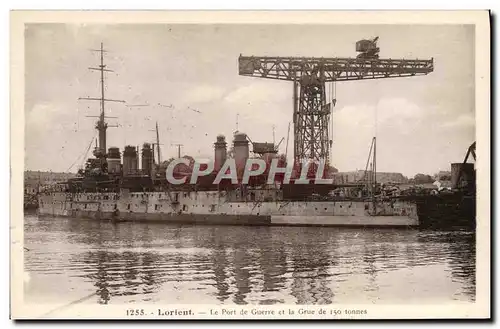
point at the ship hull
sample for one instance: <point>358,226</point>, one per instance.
<point>248,220</point>
<point>210,208</point>
<point>453,211</point>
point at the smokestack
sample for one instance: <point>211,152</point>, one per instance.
<point>241,152</point>
<point>147,159</point>
<point>114,160</point>
<point>220,152</point>
<point>130,160</point>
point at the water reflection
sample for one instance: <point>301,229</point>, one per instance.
<point>121,274</point>
<point>129,262</point>
<point>462,260</point>
<point>220,261</point>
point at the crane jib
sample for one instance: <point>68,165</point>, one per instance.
<point>332,69</point>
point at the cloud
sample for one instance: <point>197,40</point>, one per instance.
<point>40,116</point>
<point>396,114</point>
<point>394,121</point>
<point>53,140</point>
<point>259,92</point>
<point>390,108</point>
<point>462,121</point>
<point>203,94</point>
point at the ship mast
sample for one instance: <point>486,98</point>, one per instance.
<point>371,179</point>
<point>101,125</point>
<point>158,143</point>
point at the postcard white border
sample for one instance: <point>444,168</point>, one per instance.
<point>479,309</point>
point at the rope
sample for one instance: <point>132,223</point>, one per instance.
<point>83,154</point>
<point>333,109</point>
<point>70,304</point>
<point>333,101</point>
<point>328,98</point>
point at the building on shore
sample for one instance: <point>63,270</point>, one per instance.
<point>34,179</point>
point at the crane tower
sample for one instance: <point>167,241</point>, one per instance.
<point>311,112</point>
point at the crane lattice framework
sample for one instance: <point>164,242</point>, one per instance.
<point>311,112</point>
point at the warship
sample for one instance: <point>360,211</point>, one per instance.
<point>453,208</point>
<point>112,187</point>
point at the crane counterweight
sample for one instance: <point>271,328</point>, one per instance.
<point>367,48</point>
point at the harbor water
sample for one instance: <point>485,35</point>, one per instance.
<point>68,260</point>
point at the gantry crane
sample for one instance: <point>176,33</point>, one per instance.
<point>311,112</point>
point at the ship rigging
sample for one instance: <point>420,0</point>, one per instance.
<point>101,124</point>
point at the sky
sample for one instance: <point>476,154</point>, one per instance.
<point>422,124</point>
